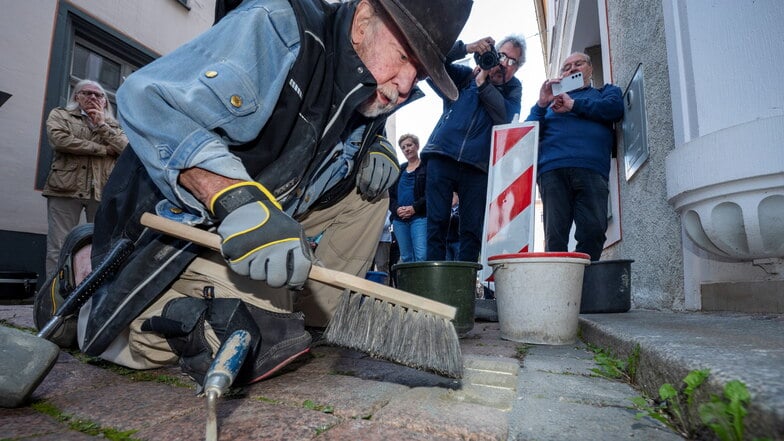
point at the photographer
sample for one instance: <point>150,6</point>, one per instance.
<point>458,150</point>
<point>576,136</point>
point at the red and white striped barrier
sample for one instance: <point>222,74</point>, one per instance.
<point>511,192</point>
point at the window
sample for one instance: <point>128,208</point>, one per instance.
<point>93,63</point>
<point>85,48</point>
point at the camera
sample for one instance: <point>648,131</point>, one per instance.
<point>487,60</point>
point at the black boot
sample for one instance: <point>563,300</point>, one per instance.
<point>283,339</point>
<point>59,286</point>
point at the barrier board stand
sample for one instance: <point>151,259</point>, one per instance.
<point>511,192</point>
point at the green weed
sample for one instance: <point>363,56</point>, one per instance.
<point>267,400</point>
<point>614,368</point>
<point>310,405</point>
<point>85,426</point>
<point>522,351</point>
<point>723,415</point>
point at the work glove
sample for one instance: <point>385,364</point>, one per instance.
<point>259,240</point>
<point>379,169</point>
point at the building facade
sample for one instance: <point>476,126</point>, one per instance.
<point>46,47</point>
<point>700,158</point>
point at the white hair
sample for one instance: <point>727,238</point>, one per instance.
<point>73,104</point>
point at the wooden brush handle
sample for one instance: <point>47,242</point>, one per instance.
<point>317,273</point>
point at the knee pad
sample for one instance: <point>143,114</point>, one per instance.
<point>182,324</point>
<point>276,338</point>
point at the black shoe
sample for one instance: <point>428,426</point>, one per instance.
<point>59,286</point>
<point>283,339</point>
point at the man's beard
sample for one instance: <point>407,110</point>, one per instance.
<point>498,77</point>
<point>371,108</point>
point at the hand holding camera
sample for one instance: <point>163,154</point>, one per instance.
<point>485,55</point>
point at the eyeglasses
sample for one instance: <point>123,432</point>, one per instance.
<point>98,95</point>
<point>568,67</point>
<point>506,59</point>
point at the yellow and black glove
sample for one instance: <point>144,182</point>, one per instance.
<point>259,239</point>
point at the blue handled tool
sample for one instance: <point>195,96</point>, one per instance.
<point>221,375</point>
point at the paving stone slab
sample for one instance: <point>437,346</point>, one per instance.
<point>440,413</point>
<point>131,405</point>
<point>572,360</point>
<point>64,435</point>
<point>26,422</point>
<point>491,379</point>
<point>495,397</point>
<point>485,339</point>
<point>575,389</point>
<point>349,397</point>
<point>69,375</point>
<point>20,316</point>
<point>244,420</point>
<point>370,431</point>
<point>549,419</point>
<point>494,364</point>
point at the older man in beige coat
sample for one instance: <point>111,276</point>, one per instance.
<point>86,140</point>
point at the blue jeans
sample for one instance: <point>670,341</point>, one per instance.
<point>574,195</point>
<point>444,176</point>
<point>411,238</point>
<point>452,250</point>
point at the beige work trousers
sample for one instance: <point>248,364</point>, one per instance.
<point>349,236</point>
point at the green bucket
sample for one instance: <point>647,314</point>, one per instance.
<point>449,282</point>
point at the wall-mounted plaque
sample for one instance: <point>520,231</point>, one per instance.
<point>634,125</point>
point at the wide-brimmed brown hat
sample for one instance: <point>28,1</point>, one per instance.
<point>430,28</point>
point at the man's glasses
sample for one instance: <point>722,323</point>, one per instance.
<point>506,59</point>
<point>98,95</point>
<point>568,67</point>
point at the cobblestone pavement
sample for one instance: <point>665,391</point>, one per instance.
<point>511,391</point>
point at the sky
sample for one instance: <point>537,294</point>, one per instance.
<point>493,18</point>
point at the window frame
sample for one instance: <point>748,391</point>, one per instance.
<point>72,26</point>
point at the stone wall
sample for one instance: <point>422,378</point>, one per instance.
<point>651,229</point>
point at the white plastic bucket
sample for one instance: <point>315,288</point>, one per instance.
<point>538,295</point>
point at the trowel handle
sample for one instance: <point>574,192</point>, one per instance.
<point>227,363</point>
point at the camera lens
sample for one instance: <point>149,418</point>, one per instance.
<point>487,60</point>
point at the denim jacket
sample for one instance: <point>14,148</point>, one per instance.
<point>200,105</point>
<point>182,110</point>
<point>464,130</point>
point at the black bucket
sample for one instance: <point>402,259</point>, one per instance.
<point>607,287</point>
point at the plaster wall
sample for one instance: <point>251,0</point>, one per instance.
<point>727,109</point>
<point>25,38</point>
<point>26,33</point>
<point>651,230</point>
<point>161,25</point>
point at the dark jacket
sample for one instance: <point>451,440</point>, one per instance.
<point>582,138</point>
<point>420,176</point>
<point>464,130</point>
